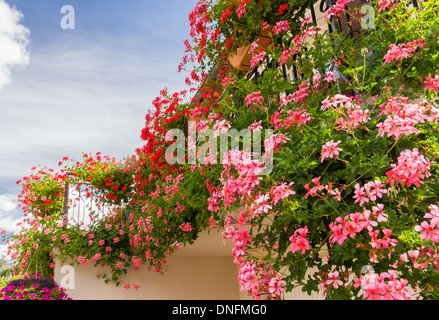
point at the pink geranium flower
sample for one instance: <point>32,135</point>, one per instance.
<point>254,98</point>
<point>313,191</point>
<point>280,27</point>
<point>299,241</point>
<point>360,195</point>
<point>255,126</point>
<point>432,83</point>
<point>411,168</point>
<point>330,150</point>
<point>333,279</point>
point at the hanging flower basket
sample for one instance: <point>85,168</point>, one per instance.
<point>35,288</point>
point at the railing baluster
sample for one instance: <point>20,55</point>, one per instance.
<point>86,207</point>
<point>65,207</point>
<point>313,13</point>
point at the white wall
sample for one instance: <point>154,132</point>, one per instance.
<point>203,271</point>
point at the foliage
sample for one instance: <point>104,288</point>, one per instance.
<point>6,273</point>
<point>5,279</point>
<point>354,181</point>
<point>350,207</point>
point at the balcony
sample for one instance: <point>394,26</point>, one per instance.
<point>82,206</point>
<point>191,272</point>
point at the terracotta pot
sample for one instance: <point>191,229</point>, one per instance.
<point>241,58</point>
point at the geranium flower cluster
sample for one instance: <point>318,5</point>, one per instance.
<point>351,224</point>
<point>308,30</point>
<point>330,150</point>
<point>319,189</point>
<point>257,53</point>
<point>412,168</point>
<point>281,26</point>
<point>31,201</point>
<point>430,229</point>
<point>285,116</point>
<point>432,83</point>
<point>352,114</point>
<point>255,99</point>
<point>337,9</point>
<point>369,192</point>
<point>387,4</point>
<point>248,178</point>
<point>299,240</point>
<point>383,286</point>
<point>257,278</point>
<point>398,52</point>
<point>348,226</point>
<point>402,117</point>
<point>274,142</point>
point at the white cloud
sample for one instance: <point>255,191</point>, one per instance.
<point>78,95</point>
<point>4,255</point>
<point>6,203</point>
<point>3,250</point>
<point>9,223</point>
<point>14,40</point>
<point>10,214</point>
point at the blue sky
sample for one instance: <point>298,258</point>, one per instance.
<point>86,89</point>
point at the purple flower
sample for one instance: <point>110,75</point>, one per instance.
<point>45,287</point>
